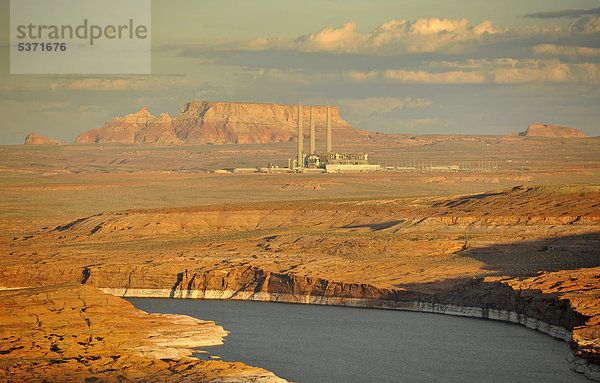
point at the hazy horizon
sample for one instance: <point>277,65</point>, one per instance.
<point>420,67</point>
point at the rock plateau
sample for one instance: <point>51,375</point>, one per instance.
<point>544,130</point>
<point>208,122</point>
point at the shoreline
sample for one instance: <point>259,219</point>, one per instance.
<point>577,364</point>
<point>415,306</point>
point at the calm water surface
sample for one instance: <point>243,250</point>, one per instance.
<point>307,344</point>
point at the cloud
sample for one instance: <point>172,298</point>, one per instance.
<point>423,77</point>
<point>362,76</point>
<point>72,107</point>
<point>17,86</point>
<point>57,106</point>
<point>544,70</point>
<point>399,36</point>
<point>570,13</point>
<point>585,25</point>
<point>120,84</point>
<point>100,84</point>
<point>534,71</point>
<point>565,50</point>
<point>500,71</point>
<point>470,71</point>
<point>402,37</point>
<point>295,76</point>
<point>394,124</point>
<point>367,106</point>
<point>308,78</point>
<point>330,39</point>
<point>393,37</point>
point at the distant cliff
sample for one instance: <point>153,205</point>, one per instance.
<point>204,122</point>
<point>34,139</point>
<point>543,130</point>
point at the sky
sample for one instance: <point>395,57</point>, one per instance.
<point>412,66</point>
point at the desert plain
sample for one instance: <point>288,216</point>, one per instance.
<point>514,235</point>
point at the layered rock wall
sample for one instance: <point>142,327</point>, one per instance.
<point>208,122</point>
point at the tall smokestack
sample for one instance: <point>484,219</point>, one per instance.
<point>313,146</point>
<point>328,129</point>
<point>300,136</point>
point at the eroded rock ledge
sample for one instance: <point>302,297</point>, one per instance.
<point>73,332</point>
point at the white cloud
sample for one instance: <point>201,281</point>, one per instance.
<point>330,39</point>
<point>393,37</point>
<point>398,36</point>
<point>424,35</point>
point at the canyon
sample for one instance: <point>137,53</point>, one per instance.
<point>491,255</point>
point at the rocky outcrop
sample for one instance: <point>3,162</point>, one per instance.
<point>34,139</point>
<point>74,333</point>
<point>208,122</point>
<point>543,130</point>
<point>251,283</point>
<point>571,210</point>
<point>140,127</point>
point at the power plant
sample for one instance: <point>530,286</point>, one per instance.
<point>329,161</point>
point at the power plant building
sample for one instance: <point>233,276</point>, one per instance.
<point>330,161</point>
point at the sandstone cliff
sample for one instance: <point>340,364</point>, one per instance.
<point>204,122</point>
<point>34,139</point>
<point>543,130</point>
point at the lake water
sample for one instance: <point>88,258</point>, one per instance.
<point>307,344</point>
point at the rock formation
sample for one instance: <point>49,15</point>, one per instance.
<point>141,127</point>
<point>527,254</point>
<point>205,122</point>
<point>543,130</point>
<point>74,333</point>
<point>34,139</point>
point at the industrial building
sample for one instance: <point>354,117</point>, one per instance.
<point>330,161</point>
